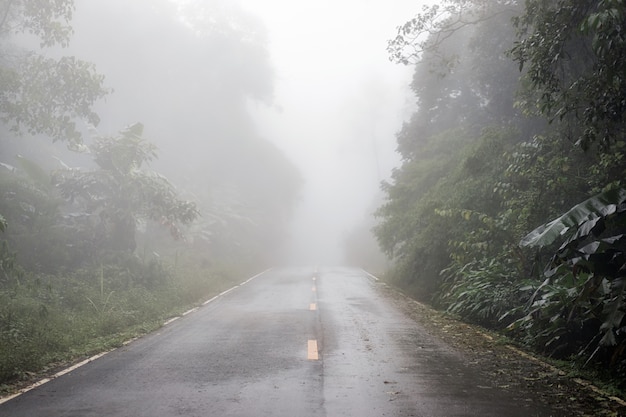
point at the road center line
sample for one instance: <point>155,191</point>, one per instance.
<point>313,307</point>
<point>312,353</point>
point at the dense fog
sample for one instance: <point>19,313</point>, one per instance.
<point>219,84</point>
<point>276,118</point>
<point>338,103</point>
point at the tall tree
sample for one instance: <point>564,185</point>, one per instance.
<point>462,75</point>
<point>574,54</point>
<point>121,192</point>
<point>40,94</point>
<point>193,90</point>
<point>463,84</point>
<point>575,57</point>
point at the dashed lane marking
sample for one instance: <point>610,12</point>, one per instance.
<point>312,353</point>
<point>313,307</point>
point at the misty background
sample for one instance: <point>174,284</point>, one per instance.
<point>285,110</point>
<point>339,102</point>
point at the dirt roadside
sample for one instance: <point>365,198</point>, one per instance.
<point>511,368</point>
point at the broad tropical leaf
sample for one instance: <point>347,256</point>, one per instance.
<point>598,206</point>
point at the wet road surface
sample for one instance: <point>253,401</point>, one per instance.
<point>291,342</point>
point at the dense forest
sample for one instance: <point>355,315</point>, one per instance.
<point>508,207</point>
<point>132,181</point>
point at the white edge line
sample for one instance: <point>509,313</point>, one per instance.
<point>78,365</point>
<point>190,311</point>
<point>228,290</point>
<point>93,358</point>
<point>58,374</point>
<point>208,301</point>
<point>375,278</point>
<point>256,276</point>
<point>171,320</point>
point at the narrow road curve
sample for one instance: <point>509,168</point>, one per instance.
<point>292,342</point>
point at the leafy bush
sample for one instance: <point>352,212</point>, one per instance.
<point>484,292</point>
<point>581,306</point>
<point>45,319</point>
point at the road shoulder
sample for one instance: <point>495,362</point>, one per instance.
<point>506,366</point>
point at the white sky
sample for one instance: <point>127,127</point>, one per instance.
<point>338,104</point>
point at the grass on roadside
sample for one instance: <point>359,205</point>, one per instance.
<point>47,321</point>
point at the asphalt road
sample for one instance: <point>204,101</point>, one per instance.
<point>291,342</point>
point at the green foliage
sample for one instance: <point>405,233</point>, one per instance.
<point>39,94</point>
<point>584,217</point>
<point>428,30</point>
<point>70,283</point>
<point>9,269</point>
<point>46,96</point>
<point>32,208</point>
<point>574,54</point>
<point>483,291</point>
<point>410,231</point>
<point>462,207</point>
<point>121,192</point>
<point>483,277</point>
<point>587,274</point>
<point>47,319</point>
<point>574,62</point>
<point>434,200</point>
<point>550,324</point>
<point>47,20</point>
<point>498,189</point>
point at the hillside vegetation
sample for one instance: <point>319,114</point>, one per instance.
<point>508,207</point>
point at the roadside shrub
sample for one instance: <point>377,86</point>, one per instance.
<point>51,318</point>
<point>484,292</point>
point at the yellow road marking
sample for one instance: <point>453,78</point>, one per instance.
<point>312,351</point>
<point>313,307</point>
